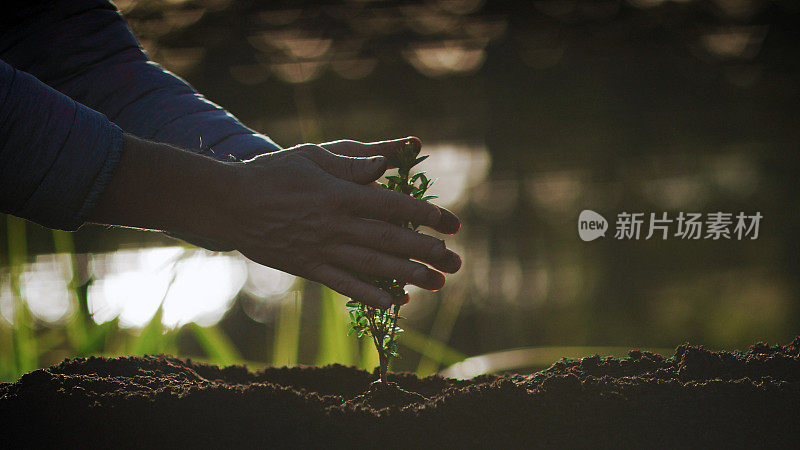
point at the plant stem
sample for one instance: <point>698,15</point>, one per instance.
<point>381,324</point>
<point>395,313</point>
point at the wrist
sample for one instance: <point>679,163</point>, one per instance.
<point>160,187</point>
<point>213,202</point>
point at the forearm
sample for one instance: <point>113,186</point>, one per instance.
<point>160,187</point>
<point>84,49</point>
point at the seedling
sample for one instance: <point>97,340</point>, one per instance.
<point>381,324</point>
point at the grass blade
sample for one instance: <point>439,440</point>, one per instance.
<point>287,332</point>
<point>369,359</point>
<point>96,342</point>
<point>150,340</point>
<point>8,367</point>
<point>218,346</point>
<point>446,314</point>
<point>77,327</point>
<point>436,351</point>
<point>24,343</point>
<point>334,344</point>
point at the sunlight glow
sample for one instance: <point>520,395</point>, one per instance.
<point>556,190</point>
<point>195,285</point>
<point>298,72</point>
<point>44,285</point>
<point>266,282</point>
<point>436,60</point>
<point>457,169</point>
<point>734,42</point>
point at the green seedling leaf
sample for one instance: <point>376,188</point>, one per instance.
<point>419,160</point>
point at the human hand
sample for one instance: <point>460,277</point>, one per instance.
<point>343,147</point>
<point>318,215</point>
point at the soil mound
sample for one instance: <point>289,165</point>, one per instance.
<point>694,399</point>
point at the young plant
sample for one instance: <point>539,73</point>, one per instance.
<point>381,324</point>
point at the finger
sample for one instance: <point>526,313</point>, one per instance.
<point>378,264</point>
<point>393,207</point>
<point>400,241</point>
<point>361,170</point>
<point>350,286</point>
<point>389,149</point>
<point>449,223</point>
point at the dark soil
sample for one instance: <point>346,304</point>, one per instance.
<point>695,399</point>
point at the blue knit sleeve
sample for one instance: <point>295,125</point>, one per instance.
<point>56,155</point>
<point>85,49</point>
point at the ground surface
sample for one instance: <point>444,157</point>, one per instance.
<point>696,399</point>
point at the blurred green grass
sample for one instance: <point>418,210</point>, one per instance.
<point>29,343</point>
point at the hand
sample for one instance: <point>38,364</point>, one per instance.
<point>341,147</point>
<point>318,215</point>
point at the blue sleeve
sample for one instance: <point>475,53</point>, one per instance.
<point>84,49</point>
<point>56,155</point>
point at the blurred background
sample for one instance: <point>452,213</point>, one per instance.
<point>532,111</point>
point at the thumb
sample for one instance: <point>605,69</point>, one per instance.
<point>361,170</point>
<point>388,149</point>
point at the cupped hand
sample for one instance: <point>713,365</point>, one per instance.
<point>311,212</point>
